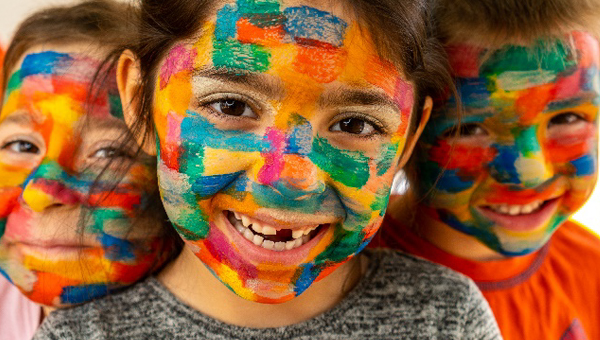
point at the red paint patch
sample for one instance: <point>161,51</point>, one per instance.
<point>464,60</point>
<point>249,33</point>
<point>533,101</point>
<point>468,159</point>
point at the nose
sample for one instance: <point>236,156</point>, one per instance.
<point>522,163</point>
<point>49,185</point>
<point>299,178</point>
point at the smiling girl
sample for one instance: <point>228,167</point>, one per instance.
<point>278,127</point>
<point>498,190</point>
<point>70,232</point>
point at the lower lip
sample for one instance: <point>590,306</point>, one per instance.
<point>55,251</point>
<point>523,223</point>
<point>257,254</point>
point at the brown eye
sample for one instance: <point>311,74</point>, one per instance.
<point>567,118</point>
<point>232,107</point>
<point>355,126</point>
<point>465,130</point>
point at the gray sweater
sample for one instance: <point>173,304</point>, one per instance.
<point>400,297</point>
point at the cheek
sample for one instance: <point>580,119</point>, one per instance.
<point>575,153</point>
<point>456,167</point>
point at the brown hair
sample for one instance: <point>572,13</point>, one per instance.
<point>102,22</point>
<point>499,22</point>
<point>401,30</point>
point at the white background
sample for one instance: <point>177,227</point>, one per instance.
<point>13,11</point>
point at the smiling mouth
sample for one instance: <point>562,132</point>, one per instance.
<point>270,238</point>
<point>523,217</point>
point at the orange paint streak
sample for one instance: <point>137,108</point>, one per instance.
<point>250,34</point>
<point>382,74</point>
<point>48,287</point>
<point>533,101</point>
<point>570,147</point>
<point>322,64</point>
<point>298,171</point>
<point>8,200</point>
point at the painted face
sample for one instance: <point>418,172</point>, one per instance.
<point>53,145</point>
<point>279,134</point>
<point>525,158</point>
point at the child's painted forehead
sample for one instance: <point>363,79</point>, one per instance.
<point>547,59</point>
<point>50,78</point>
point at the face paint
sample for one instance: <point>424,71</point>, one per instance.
<point>526,155</point>
<point>53,145</point>
<point>279,131</point>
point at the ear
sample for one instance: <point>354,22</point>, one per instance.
<point>128,81</point>
<point>411,141</point>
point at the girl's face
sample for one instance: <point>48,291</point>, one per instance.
<point>525,157</point>
<point>53,146</point>
<point>279,133</point>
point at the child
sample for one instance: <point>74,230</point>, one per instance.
<point>278,128</point>
<point>492,195</point>
<point>70,232</point>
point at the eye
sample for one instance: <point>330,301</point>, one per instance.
<point>567,118</point>
<point>21,146</point>
<point>233,107</point>
<point>465,130</point>
<point>110,152</point>
<point>355,126</point>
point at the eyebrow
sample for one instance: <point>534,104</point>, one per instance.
<point>267,85</point>
<point>349,97</point>
<point>20,118</point>
<point>573,102</point>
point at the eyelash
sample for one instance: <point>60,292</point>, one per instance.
<point>377,126</point>
<point>209,100</point>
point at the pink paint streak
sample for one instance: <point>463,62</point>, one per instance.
<point>274,162</point>
<point>179,59</point>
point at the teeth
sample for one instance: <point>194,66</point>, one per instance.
<point>279,246</point>
<point>246,221</point>
<point>257,227</point>
<point>268,230</point>
<point>255,232</point>
<point>258,240</point>
<point>249,235</point>
<point>297,233</point>
<point>514,210</point>
<point>268,245</point>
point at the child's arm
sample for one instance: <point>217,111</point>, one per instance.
<point>480,323</point>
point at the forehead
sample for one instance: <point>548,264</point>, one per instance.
<point>58,84</point>
<point>527,80</point>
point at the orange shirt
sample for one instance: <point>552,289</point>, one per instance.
<point>552,294</point>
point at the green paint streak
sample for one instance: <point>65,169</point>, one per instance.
<point>191,160</point>
<point>116,109</point>
<point>232,54</point>
<point>542,56</point>
<point>350,168</point>
<point>14,82</point>
<point>259,6</point>
<point>386,158</point>
<point>103,215</point>
<point>381,200</point>
<point>2,227</point>
<point>526,141</point>
<point>345,243</point>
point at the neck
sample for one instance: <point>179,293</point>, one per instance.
<point>205,293</point>
<point>442,235</point>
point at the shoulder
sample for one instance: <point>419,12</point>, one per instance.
<point>415,293</point>
<point>129,314</point>
<point>571,235</point>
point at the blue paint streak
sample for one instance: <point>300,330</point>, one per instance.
<point>198,131</point>
<point>226,25</point>
<point>300,141</point>
<point>452,182</point>
<point>307,277</point>
<point>5,274</point>
<point>206,186</point>
<point>81,294</point>
<point>117,249</point>
<point>43,63</point>
<point>502,168</point>
<point>474,92</point>
<point>585,166</point>
<point>309,23</point>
